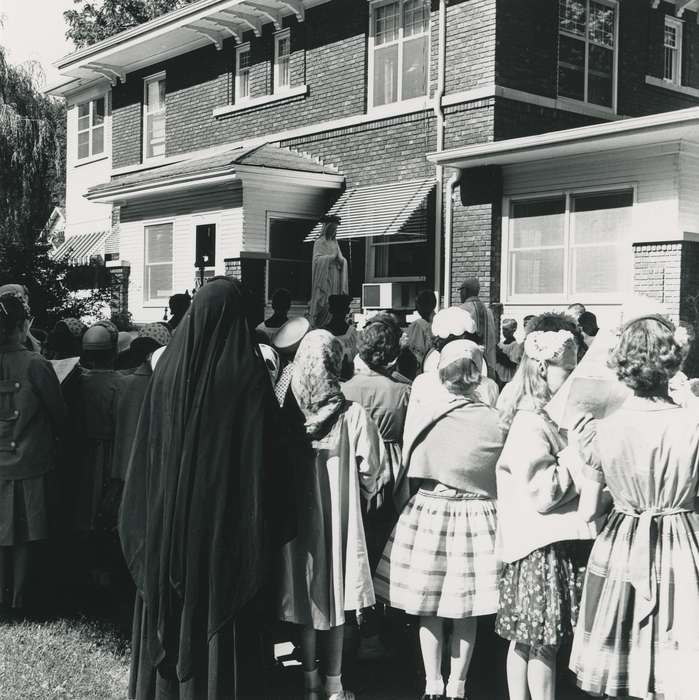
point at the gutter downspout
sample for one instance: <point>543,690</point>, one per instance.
<point>454,182</point>
<point>439,112</point>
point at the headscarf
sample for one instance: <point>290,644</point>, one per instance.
<point>316,380</point>
<point>200,499</point>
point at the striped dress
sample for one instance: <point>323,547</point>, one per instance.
<point>638,630</point>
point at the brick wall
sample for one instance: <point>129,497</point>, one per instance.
<point>657,273</point>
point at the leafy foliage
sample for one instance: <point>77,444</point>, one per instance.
<point>93,21</point>
<point>32,177</point>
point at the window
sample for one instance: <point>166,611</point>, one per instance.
<point>158,263</point>
<point>282,60</point>
<point>569,245</point>
<point>399,255</point>
<point>289,265</point>
<point>398,51</point>
<point>242,72</point>
<point>154,117</point>
<point>587,51</point>
<point>205,255</point>
<point>91,128</point>
<point>672,70</point>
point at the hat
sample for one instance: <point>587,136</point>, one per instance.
<point>99,337</point>
<point>460,350</point>
<point>155,357</point>
<point>18,290</point>
<point>330,219</point>
<point>75,327</point>
<point>151,337</point>
<point>452,321</point>
<point>286,340</point>
<point>124,341</point>
<point>271,358</point>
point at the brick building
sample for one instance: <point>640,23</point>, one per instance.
<point>211,139</point>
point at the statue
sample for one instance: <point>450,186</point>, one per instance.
<point>329,275</point>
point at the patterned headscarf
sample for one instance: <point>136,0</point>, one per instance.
<point>316,379</point>
<point>75,327</point>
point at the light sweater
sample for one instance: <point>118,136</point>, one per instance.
<point>460,449</point>
<point>537,497</point>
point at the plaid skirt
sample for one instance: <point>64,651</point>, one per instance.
<point>540,594</point>
<point>614,652</point>
<point>440,559</point>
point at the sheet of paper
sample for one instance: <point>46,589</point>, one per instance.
<point>64,368</point>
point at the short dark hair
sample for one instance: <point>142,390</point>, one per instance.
<point>551,321</point>
<point>646,356</point>
<point>426,302</point>
<point>281,299</point>
<point>379,342</point>
<point>470,287</point>
<point>12,315</point>
<point>588,323</point>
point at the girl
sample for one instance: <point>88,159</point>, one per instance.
<point>538,521</point>
<point>32,415</point>
<point>440,562</point>
<point>325,569</point>
<point>638,634</point>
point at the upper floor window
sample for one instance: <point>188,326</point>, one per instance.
<point>568,245</point>
<point>242,72</point>
<point>282,61</point>
<point>398,51</point>
<point>587,51</point>
<point>154,117</point>
<point>672,70</point>
<point>91,128</point>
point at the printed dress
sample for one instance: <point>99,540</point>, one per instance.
<point>638,634</point>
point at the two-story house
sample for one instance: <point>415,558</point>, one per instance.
<point>211,139</point>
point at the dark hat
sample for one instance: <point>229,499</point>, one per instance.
<point>330,219</point>
<point>99,337</point>
<point>151,337</point>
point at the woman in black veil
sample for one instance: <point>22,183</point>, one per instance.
<point>205,502</point>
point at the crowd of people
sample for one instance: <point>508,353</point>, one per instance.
<point>219,472</point>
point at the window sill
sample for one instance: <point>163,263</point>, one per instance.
<point>681,89</point>
<point>253,103</point>
<point>586,108</point>
<point>396,109</point>
<point>90,160</point>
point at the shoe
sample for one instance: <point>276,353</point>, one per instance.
<point>342,695</point>
<point>432,697</point>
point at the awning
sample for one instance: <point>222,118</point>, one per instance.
<point>382,210</point>
<point>77,250</point>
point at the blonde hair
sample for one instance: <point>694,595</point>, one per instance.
<point>460,377</point>
<point>528,381</point>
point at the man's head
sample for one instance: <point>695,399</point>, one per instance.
<point>509,328</point>
<point>281,301</point>
<point>339,305</point>
<point>426,303</point>
<point>470,287</point>
<point>575,310</point>
<point>179,305</point>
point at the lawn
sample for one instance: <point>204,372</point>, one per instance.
<point>65,659</point>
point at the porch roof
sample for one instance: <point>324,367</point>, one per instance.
<point>77,250</point>
<point>221,167</point>
<point>381,210</point>
<point>177,32</point>
<point>680,125</point>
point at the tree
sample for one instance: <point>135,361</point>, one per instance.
<point>32,176</point>
<point>94,21</point>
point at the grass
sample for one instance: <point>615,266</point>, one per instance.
<point>65,659</point>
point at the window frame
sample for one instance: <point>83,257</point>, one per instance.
<point>157,302</point>
<point>91,111</point>
<point>280,36</point>
<point>239,50</point>
<point>615,61</point>
<point>678,26</point>
<point>373,6</point>
<point>372,245</point>
<point>567,296</point>
<point>156,77</point>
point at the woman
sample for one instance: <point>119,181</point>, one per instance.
<point>65,340</point>
<point>325,569</point>
<point>203,496</point>
<point>638,634</point>
<point>440,562</point>
<point>32,415</point>
<point>329,274</point>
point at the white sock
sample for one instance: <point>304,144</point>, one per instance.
<point>456,688</point>
<point>312,679</point>
<point>434,686</point>
<point>333,684</point>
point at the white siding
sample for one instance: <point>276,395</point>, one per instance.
<point>222,207</point>
<point>83,216</point>
<point>689,192</point>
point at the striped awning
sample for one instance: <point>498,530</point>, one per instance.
<point>77,250</point>
<point>382,210</point>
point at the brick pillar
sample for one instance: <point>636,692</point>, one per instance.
<point>657,273</point>
<point>251,270</point>
<point>119,302</point>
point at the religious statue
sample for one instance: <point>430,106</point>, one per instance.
<point>329,275</point>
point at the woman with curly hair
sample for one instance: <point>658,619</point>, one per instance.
<point>638,634</point>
